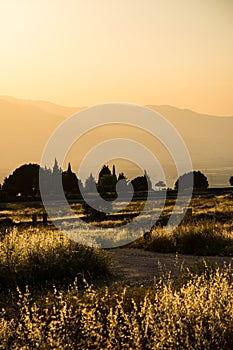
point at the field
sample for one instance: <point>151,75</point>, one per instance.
<point>58,294</point>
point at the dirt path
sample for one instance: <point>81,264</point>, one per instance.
<point>139,267</point>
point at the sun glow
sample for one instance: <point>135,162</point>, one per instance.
<point>84,53</point>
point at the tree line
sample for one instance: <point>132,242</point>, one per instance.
<point>24,181</point>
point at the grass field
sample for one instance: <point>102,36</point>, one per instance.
<point>51,296</point>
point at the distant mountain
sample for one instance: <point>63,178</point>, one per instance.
<point>25,129</point>
<point>45,106</point>
<point>27,125</point>
<point>208,138</point>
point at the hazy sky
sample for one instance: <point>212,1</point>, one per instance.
<point>80,53</point>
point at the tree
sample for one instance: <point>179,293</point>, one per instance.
<point>55,179</point>
<point>122,186</point>
<point>107,183</point>
<point>24,181</point>
<point>121,176</point>
<point>140,184</point>
<point>90,213</point>
<point>56,168</point>
<point>107,180</point>
<point>46,179</point>
<point>231,180</point>
<point>70,181</point>
<point>104,171</point>
<point>90,184</point>
<point>185,181</point>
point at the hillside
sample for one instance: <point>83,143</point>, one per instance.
<point>27,125</point>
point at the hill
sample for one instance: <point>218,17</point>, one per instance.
<point>27,125</point>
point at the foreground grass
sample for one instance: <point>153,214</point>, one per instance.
<point>42,256</point>
<point>197,315</point>
<point>194,311</point>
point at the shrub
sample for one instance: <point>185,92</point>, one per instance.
<point>162,243</point>
<point>198,238</point>
<point>92,214</point>
<point>45,257</point>
<point>202,238</point>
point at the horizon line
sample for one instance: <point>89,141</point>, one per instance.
<point>148,105</point>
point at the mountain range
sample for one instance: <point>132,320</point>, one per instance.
<point>26,126</point>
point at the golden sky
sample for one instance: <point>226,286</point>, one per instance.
<point>81,53</point>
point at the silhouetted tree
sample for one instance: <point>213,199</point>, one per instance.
<point>199,181</point>
<point>107,180</point>
<point>56,178</point>
<point>46,179</point>
<point>90,184</point>
<point>90,213</point>
<point>121,176</point>
<point>113,170</point>
<point>231,180</point>
<point>104,171</point>
<point>56,168</point>
<point>142,183</point>
<point>107,183</point>
<point>70,181</point>
<point>123,185</point>
<point>24,180</point>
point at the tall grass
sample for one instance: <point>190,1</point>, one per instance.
<point>43,256</point>
<point>202,237</point>
<point>199,315</point>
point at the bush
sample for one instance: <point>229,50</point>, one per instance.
<point>202,238</point>
<point>45,257</point>
<point>197,238</point>
<point>92,214</point>
<point>162,244</point>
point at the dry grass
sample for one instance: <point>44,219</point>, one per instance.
<point>208,232</point>
<point>197,238</point>
<point>43,256</point>
<point>198,315</point>
<point>194,311</point>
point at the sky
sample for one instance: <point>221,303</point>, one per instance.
<point>82,53</point>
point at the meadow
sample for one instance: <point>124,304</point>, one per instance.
<point>58,294</point>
